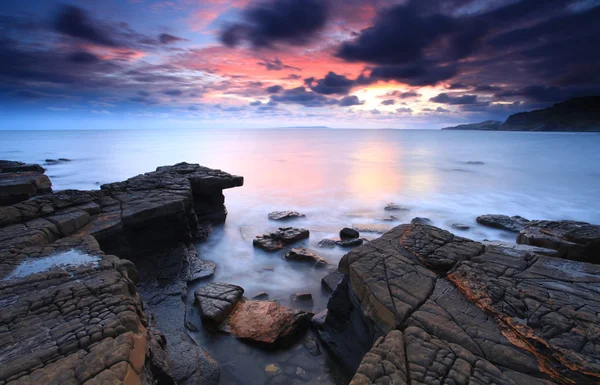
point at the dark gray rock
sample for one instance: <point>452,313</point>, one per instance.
<point>262,296</point>
<point>280,238</point>
<point>283,215</point>
<point>312,346</point>
<point>332,280</point>
<point>503,222</point>
<point>348,233</point>
<point>7,166</point>
<point>395,207</point>
<point>216,301</point>
<point>327,244</point>
<point>460,226</point>
<point>304,255</point>
<point>421,221</point>
<point>350,242</point>
<point>572,240</point>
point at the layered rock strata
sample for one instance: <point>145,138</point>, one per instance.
<point>434,308</point>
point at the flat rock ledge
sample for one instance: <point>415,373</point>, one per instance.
<point>20,181</point>
<point>71,312</point>
<point>420,305</point>
<point>282,237</point>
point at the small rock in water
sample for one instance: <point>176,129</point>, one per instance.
<point>301,373</point>
<point>350,243</point>
<point>261,296</point>
<point>301,297</point>
<point>347,233</point>
<point>475,162</point>
<point>64,160</point>
<point>216,300</point>
<point>280,238</point>
<point>395,207</point>
<point>422,221</point>
<point>302,254</point>
<point>460,226</point>
<point>312,346</point>
<point>327,244</point>
<point>503,222</point>
<point>391,218</point>
<point>281,215</point>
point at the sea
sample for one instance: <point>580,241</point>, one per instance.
<point>337,178</point>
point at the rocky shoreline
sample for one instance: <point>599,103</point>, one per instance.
<point>418,305</point>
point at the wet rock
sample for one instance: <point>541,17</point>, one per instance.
<point>304,255</point>
<point>385,362</point>
<point>7,166</point>
<point>522,248</point>
<point>217,300</point>
<point>475,163</point>
<point>332,280</point>
<point>389,218</point>
<point>312,346</point>
<point>191,364</point>
<point>301,297</point>
<point>327,244</point>
<point>460,226</point>
<point>272,370</point>
<point>378,228</point>
<point>348,233</point>
<point>283,215</point>
<point>572,240</point>
<point>266,322</point>
<point>421,221</point>
<point>350,242</point>
<point>262,296</point>
<point>16,187</point>
<point>503,222</point>
<point>280,238</point>
<point>395,207</point>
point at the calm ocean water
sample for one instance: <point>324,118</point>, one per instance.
<point>337,178</point>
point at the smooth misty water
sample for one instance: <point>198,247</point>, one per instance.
<point>337,178</point>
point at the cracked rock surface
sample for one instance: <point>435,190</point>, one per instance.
<point>441,309</point>
<point>216,300</point>
<point>282,237</point>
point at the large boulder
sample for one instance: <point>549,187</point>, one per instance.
<point>280,238</point>
<point>16,187</point>
<point>266,322</point>
<point>348,233</point>
<point>13,166</point>
<point>503,222</point>
<point>572,240</point>
<point>305,255</point>
<point>216,301</point>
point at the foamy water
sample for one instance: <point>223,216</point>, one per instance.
<point>337,178</point>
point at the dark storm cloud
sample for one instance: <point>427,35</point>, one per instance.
<point>415,74</point>
<point>303,97</point>
<point>83,57</point>
<point>388,102</point>
<point>276,65</point>
<point>333,83</point>
<point>351,100</point>
<point>445,98</point>
<point>287,21</point>
<point>173,92</point>
<point>274,89</point>
<point>75,22</point>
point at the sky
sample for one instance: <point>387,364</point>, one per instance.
<point>273,63</point>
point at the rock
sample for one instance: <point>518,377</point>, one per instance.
<point>301,373</point>
<point>262,296</point>
<point>279,239</point>
<point>503,222</point>
<point>350,243</point>
<point>266,322</point>
<point>327,244</point>
<point>395,207</point>
<point>300,297</point>
<point>385,362</point>
<point>304,255</point>
<point>348,233</point>
<point>475,163</point>
<point>7,166</point>
<point>389,218</point>
<point>378,228</point>
<point>332,280</point>
<point>216,301</point>
<point>422,221</point>
<point>16,187</point>
<point>312,346</point>
<point>572,240</point>
<point>64,160</point>
<point>460,226</point>
<point>522,248</point>
<point>283,215</point>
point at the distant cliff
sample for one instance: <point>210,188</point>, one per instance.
<point>488,125</point>
<point>574,115</point>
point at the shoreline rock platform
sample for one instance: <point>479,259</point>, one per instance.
<point>71,310</point>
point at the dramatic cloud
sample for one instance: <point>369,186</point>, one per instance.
<point>166,38</point>
<point>274,89</point>
<point>303,97</point>
<point>351,100</point>
<point>388,102</point>
<point>73,21</point>
<point>276,65</point>
<point>455,100</point>
<point>287,21</point>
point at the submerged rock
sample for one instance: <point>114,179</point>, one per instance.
<point>572,240</point>
<point>266,322</point>
<point>280,238</point>
<point>217,300</point>
<point>282,215</point>
<point>503,222</point>
<point>460,226</point>
<point>347,233</point>
<point>304,255</point>
<point>395,207</point>
<point>312,346</point>
<point>327,244</point>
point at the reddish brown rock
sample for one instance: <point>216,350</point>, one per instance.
<point>266,322</point>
